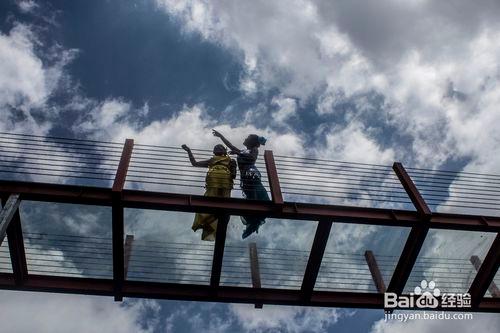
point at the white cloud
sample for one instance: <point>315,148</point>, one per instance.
<point>44,312</point>
<point>27,6</point>
<point>285,319</point>
<point>287,107</point>
<point>104,116</point>
<point>353,143</point>
<point>26,82</point>
<point>408,53</point>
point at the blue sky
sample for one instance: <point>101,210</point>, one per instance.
<point>417,82</point>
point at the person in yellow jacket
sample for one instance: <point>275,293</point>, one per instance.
<point>218,183</point>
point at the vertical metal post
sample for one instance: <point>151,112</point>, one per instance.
<point>220,242</point>
<point>375,271</point>
<point>254,269</point>
<point>117,210</point>
<point>272,175</point>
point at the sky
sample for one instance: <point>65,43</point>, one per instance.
<point>415,81</point>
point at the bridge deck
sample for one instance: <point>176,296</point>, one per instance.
<point>322,199</point>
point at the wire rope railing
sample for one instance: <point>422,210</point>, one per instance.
<point>191,263</point>
<point>307,179</point>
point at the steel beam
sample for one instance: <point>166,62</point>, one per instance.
<point>417,234</point>
<point>493,289</point>
<point>375,271</point>
<point>272,175</point>
<point>412,191</point>
<point>188,292</point>
<point>315,257</point>
<point>220,242</point>
<point>61,193</point>
<point>16,243</point>
<point>7,213</point>
<point>254,269</point>
<point>117,211</point>
<point>486,273</point>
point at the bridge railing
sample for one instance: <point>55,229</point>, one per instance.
<point>300,179</point>
<point>318,190</point>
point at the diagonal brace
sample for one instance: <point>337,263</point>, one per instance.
<point>7,214</point>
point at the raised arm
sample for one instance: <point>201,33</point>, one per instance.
<point>231,147</point>
<point>194,162</point>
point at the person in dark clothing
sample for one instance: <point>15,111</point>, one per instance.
<point>250,177</point>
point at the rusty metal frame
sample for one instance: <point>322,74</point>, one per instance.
<point>16,245</point>
<point>100,196</point>
<point>493,288</point>
<point>220,242</point>
<point>486,272</point>
<point>375,271</point>
<point>417,234</point>
<point>420,221</point>
<point>272,175</point>
<point>117,212</point>
<point>7,212</point>
<point>254,269</point>
<point>205,293</point>
<point>315,258</point>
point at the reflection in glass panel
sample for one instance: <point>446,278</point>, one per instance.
<point>494,288</point>
<point>67,240</point>
<point>458,192</point>
<point>5,264</point>
<point>278,252</point>
<point>345,262</point>
<point>340,183</point>
<point>160,246</point>
<point>450,258</point>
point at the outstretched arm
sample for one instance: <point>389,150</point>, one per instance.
<point>194,162</point>
<point>232,147</point>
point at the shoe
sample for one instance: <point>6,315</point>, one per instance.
<point>249,230</point>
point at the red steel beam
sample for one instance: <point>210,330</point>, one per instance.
<point>407,259</point>
<point>411,190</point>
<point>61,193</point>
<point>121,171</point>
<point>117,210</point>
<point>40,283</point>
<point>272,175</point>
<point>417,234</point>
<point>254,269</point>
<point>315,257</point>
<point>7,212</point>
<point>486,273</point>
<point>493,289</point>
<point>375,271</point>
<point>220,242</point>
<point>16,247</point>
